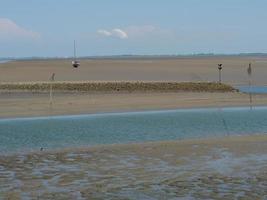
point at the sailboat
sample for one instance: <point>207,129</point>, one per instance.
<point>75,62</point>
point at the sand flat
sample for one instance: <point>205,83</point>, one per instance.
<point>180,69</point>
<point>133,69</point>
<point>25,104</point>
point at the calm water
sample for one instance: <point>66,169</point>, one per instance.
<point>75,131</point>
<point>253,89</point>
<point>4,61</point>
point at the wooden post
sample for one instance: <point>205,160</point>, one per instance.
<point>220,76</point>
<point>220,73</point>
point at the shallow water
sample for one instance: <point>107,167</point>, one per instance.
<point>4,61</point>
<point>85,130</point>
<point>253,89</point>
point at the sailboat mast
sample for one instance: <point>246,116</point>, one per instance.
<point>75,62</point>
<point>74,50</point>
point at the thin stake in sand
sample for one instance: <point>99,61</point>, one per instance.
<point>52,79</point>
<point>249,71</point>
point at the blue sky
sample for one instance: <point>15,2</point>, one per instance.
<point>115,27</point>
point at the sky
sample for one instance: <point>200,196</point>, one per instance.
<point>48,28</point>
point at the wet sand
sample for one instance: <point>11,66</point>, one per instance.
<point>225,168</point>
<point>24,104</point>
<point>139,69</point>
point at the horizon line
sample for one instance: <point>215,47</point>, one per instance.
<point>132,55</point>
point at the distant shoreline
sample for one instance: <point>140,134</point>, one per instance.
<point>199,55</point>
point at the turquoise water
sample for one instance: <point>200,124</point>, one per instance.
<point>86,130</point>
<point>253,89</point>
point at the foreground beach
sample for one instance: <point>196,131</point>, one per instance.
<point>225,168</point>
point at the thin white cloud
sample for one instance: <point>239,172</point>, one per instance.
<point>10,30</point>
<point>117,33</point>
<point>104,33</point>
